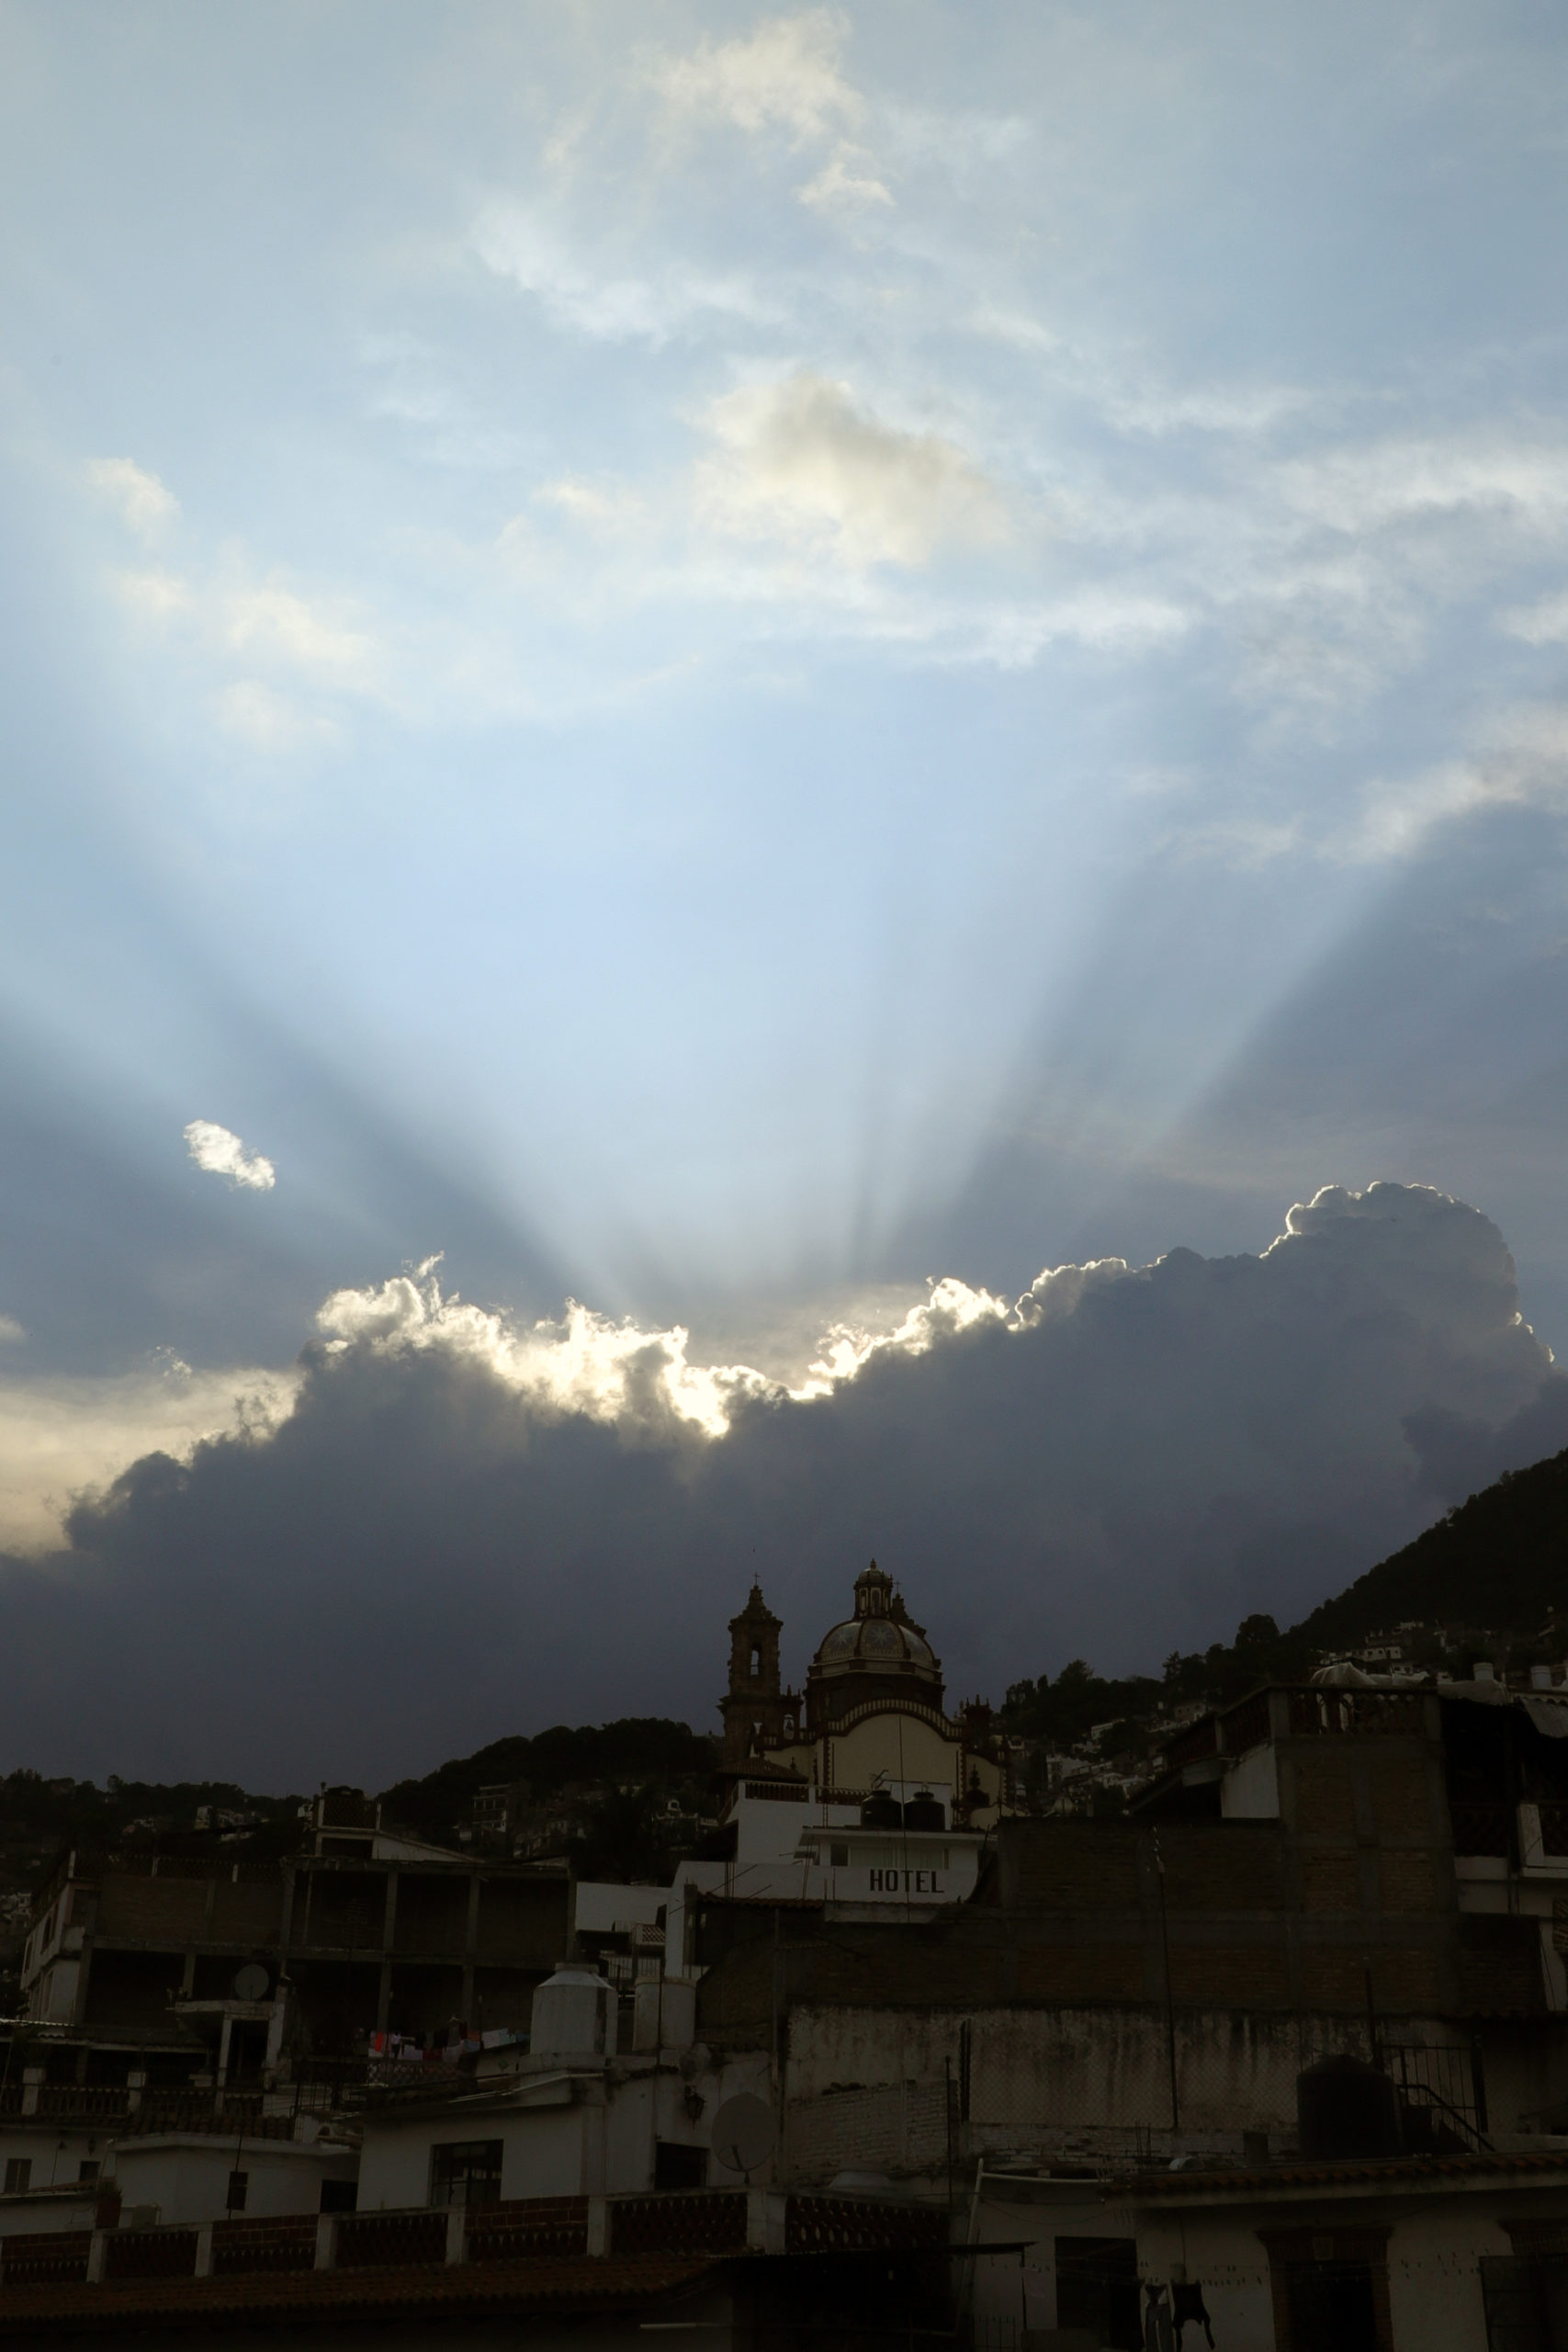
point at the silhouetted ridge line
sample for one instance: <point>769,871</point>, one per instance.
<point>1499,1560</point>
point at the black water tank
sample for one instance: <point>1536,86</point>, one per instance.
<point>880,1811</point>
<point>1345,2107</point>
<point>924,1812</point>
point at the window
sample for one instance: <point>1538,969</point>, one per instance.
<point>1097,2288</point>
<point>1332,2306</point>
<point>839,1855</point>
<point>18,2172</point>
<point>339,2195</point>
<point>465,2172</point>
<point>756,1664</point>
<point>87,2169</point>
<point>239,2186</point>
<point>677,2166</point>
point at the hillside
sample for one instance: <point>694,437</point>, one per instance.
<point>645,1748</point>
<point>1497,1562</point>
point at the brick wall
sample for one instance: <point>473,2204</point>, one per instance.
<point>150,1910</point>
<point>895,2128</point>
<point>1266,1915</point>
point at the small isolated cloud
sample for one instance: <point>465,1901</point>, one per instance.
<point>610,507</point>
<point>274,621</point>
<point>784,75</point>
<point>844,184</point>
<point>270,720</point>
<point>803,459</point>
<point>611,305</point>
<point>12,1334</point>
<point>222,1153</point>
<point>141,501</point>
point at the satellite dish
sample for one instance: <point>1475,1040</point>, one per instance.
<point>743,2132</point>
<point>252,1982</point>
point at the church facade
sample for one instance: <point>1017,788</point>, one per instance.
<point>872,1726</point>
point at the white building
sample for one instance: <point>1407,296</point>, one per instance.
<point>572,2116</point>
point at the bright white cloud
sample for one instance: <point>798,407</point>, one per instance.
<point>269,720</point>
<point>582,1363</point>
<point>274,621</point>
<point>221,1153</point>
<point>611,507</point>
<point>585,1363</point>
<point>140,500</point>
<point>1397,481</point>
<point>803,459</point>
<point>609,305</point>
<point>155,595</point>
<point>845,183</point>
<point>784,75</point>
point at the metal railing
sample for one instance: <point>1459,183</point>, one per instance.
<point>1441,2092</point>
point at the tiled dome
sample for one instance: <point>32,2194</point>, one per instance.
<point>880,1639</point>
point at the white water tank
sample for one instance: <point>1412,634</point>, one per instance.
<point>573,2014</point>
<point>664,2013</point>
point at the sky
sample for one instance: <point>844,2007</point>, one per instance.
<point>688,690</point>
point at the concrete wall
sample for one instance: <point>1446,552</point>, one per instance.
<point>58,2150</point>
<point>1224,2255</point>
<point>1094,2081</point>
<point>1434,2278</point>
<point>603,1905</point>
<point>1433,2259</point>
<point>546,2152</point>
<point>21,2216</point>
<point>189,2183</point>
<point>594,2136</point>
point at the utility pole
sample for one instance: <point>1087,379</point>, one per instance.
<point>1169,1995</point>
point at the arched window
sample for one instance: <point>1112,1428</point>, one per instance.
<point>756,1663</point>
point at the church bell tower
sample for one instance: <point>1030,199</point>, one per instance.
<point>754,1707</point>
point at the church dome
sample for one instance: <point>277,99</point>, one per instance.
<point>881,1639</point>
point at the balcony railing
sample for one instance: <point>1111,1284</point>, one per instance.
<point>694,2222</point>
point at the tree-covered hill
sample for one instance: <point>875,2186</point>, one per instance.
<point>643,1748</point>
<point>1499,1561</point>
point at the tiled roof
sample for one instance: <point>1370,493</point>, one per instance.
<point>1353,2172</point>
<point>541,2282</point>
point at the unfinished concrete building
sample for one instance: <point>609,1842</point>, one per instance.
<point>273,1964</point>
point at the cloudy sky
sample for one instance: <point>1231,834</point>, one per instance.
<point>717,665</point>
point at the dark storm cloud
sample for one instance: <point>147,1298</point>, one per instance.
<point>443,1543</point>
<point>1428,1038</point>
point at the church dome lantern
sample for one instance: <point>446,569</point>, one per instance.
<point>879,1652</point>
